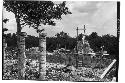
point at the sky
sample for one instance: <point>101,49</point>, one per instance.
<point>97,16</point>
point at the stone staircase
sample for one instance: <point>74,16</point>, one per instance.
<point>79,62</point>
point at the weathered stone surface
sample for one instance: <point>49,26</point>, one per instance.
<point>42,59</point>
<point>21,56</point>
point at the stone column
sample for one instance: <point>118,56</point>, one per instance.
<point>42,56</point>
<point>4,48</point>
<point>3,55</point>
<point>21,56</point>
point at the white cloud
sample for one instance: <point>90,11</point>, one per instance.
<point>86,7</point>
<point>98,16</point>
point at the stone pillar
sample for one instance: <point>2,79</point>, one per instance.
<point>3,55</point>
<point>4,48</point>
<point>42,55</point>
<point>21,56</point>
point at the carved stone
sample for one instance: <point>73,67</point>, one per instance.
<point>42,59</point>
<point>21,56</point>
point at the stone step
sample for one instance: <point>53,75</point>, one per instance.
<point>79,63</point>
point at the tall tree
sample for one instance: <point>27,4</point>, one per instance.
<point>34,13</point>
<point>94,41</point>
<point>62,39</point>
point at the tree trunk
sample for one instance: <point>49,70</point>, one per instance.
<point>21,50</point>
<point>42,59</point>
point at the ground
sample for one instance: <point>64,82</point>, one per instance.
<point>55,68</point>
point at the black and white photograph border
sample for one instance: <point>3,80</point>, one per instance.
<point>76,28</point>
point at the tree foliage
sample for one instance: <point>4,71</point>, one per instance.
<point>62,34</point>
<point>80,37</point>
<point>34,13</point>
<point>5,20</point>
<point>109,42</point>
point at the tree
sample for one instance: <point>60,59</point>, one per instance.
<point>34,13</point>
<point>62,39</point>
<point>94,35</point>
<point>111,44</point>
<point>80,36</point>
<point>62,34</point>
<point>94,41</point>
<point>5,20</point>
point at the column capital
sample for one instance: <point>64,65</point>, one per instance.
<point>42,34</point>
<point>22,34</point>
